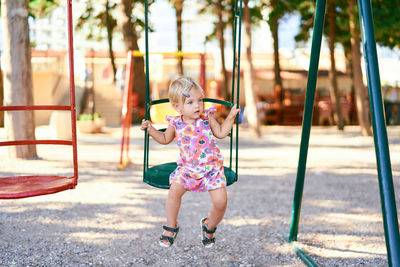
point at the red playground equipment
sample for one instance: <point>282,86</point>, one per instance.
<point>29,186</point>
<point>129,100</point>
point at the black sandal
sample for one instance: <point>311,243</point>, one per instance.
<point>169,239</point>
<point>206,241</point>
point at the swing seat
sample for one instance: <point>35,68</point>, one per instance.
<point>158,176</point>
<point>30,186</point>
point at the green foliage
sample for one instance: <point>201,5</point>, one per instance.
<point>94,19</point>
<point>211,7</point>
<point>41,8</point>
<point>386,16</point>
<point>386,21</point>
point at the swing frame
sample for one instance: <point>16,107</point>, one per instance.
<point>158,176</point>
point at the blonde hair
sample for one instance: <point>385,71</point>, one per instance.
<point>180,88</point>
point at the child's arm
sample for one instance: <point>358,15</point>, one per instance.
<point>163,138</point>
<point>222,130</point>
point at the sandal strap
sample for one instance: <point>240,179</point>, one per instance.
<point>208,231</point>
<point>170,239</point>
<point>207,240</point>
<point>171,229</point>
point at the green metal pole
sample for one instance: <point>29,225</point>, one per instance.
<point>307,117</point>
<point>386,189</point>
<point>238,87</point>
<point>147,104</point>
<point>233,75</point>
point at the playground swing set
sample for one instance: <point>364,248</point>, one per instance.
<point>158,175</point>
<point>28,186</point>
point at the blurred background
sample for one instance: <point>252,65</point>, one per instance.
<point>275,51</point>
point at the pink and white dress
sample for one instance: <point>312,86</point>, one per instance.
<point>200,163</point>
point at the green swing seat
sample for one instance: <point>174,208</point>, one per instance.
<point>158,176</point>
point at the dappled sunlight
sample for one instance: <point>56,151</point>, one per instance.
<point>243,221</point>
<point>348,219</point>
<point>343,245</point>
<point>278,248</point>
<point>325,203</point>
<point>94,238</point>
<point>338,170</point>
<point>50,206</point>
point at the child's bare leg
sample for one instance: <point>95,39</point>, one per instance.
<point>173,205</point>
<point>219,199</point>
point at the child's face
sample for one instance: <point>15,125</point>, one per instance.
<point>193,106</point>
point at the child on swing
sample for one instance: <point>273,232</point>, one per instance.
<point>200,163</point>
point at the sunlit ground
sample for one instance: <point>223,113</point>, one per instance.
<point>112,212</point>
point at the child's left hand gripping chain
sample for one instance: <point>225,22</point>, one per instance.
<point>146,124</point>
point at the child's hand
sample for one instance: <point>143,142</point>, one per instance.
<point>146,125</point>
<point>234,111</point>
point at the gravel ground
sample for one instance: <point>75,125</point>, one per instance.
<point>113,219</point>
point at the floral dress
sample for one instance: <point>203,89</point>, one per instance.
<point>200,163</point>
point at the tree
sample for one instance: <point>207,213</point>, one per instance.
<point>222,10</point>
<point>178,5</point>
<point>1,97</point>
<point>220,28</point>
<point>278,9</point>
<point>110,24</point>
<point>306,10</point>
<point>248,74</point>
<point>41,8</point>
<point>386,20</point>
<point>96,21</point>
<point>359,87</point>
<point>337,110</point>
<point>130,31</point>
<point>18,89</point>
<point>130,25</point>
<point>36,8</point>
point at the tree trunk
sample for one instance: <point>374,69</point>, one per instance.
<point>359,88</point>
<point>349,71</point>
<point>250,95</point>
<point>337,110</point>
<point>1,98</point>
<point>109,39</point>
<point>273,24</point>
<point>20,125</point>
<point>220,35</point>
<point>178,4</point>
<point>130,40</point>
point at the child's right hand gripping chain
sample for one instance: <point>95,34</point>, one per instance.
<point>146,124</point>
<point>234,111</point>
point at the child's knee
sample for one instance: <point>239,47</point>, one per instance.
<point>220,202</point>
<point>176,191</point>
